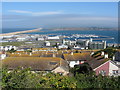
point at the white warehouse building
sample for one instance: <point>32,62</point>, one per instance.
<point>53,37</point>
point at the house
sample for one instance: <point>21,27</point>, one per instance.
<point>76,47</point>
<point>104,67</point>
<point>44,49</point>
<point>40,39</point>
<point>47,43</point>
<point>2,55</point>
<point>62,46</point>
<point>69,42</point>
<point>97,45</point>
<point>76,58</point>
<point>37,64</point>
<point>8,47</point>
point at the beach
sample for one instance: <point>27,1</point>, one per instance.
<point>26,31</point>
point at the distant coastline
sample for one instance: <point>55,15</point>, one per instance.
<point>81,28</point>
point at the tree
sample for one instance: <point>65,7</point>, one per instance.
<point>52,80</point>
<point>23,78</point>
<point>19,78</point>
<point>12,50</point>
<point>82,68</point>
<point>110,52</point>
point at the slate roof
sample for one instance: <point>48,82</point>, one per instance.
<point>77,56</point>
<point>35,63</point>
<point>94,63</point>
<point>117,56</point>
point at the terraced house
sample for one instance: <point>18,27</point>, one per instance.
<point>61,61</point>
<point>37,64</point>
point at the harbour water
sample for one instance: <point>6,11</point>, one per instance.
<point>109,33</point>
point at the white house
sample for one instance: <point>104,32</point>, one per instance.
<point>76,47</point>
<point>68,42</point>
<point>2,56</point>
<point>62,46</point>
<point>8,47</point>
<point>75,58</point>
<point>73,63</point>
<point>40,39</point>
<point>1,47</point>
<point>114,70</point>
<point>47,43</point>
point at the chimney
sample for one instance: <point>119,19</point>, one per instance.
<point>30,54</point>
<point>46,52</point>
<point>54,55</point>
<point>91,39</point>
<point>113,57</point>
<point>71,53</point>
<point>92,53</point>
<point>106,56</point>
<point>102,53</point>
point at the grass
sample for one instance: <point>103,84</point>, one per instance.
<point>13,43</point>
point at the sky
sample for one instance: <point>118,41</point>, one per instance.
<point>59,14</point>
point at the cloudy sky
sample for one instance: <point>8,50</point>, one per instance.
<point>59,14</point>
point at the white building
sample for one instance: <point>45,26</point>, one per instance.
<point>76,47</point>
<point>47,43</point>
<point>68,42</point>
<point>62,46</point>
<point>21,39</point>
<point>40,39</point>
<point>8,47</point>
<point>73,63</point>
<point>102,53</point>
<point>2,56</point>
<point>53,37</point>
<point>1,48</point>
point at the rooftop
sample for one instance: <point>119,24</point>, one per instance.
<point>35,63</point>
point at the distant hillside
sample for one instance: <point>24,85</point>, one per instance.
<point>81,28</point>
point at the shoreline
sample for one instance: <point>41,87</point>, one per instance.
<point>20,32</point>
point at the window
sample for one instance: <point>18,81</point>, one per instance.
<point>102,72</point>
<point>115,71</point>
<point>53,63</point>
<point>75,61</point>
<point>61,73</point>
